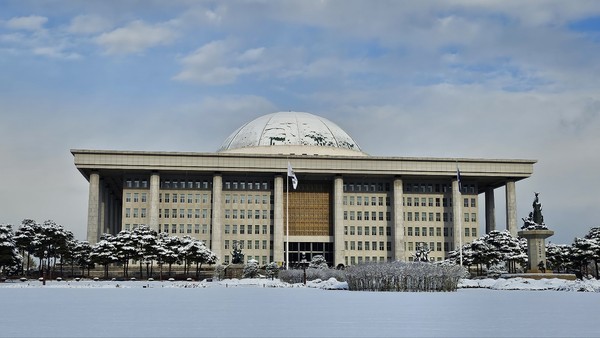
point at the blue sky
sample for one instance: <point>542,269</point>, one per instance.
<point>483,79</point>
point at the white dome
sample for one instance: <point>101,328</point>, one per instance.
<point>291,133</point>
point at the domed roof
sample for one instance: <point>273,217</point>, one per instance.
<point>293,133</point>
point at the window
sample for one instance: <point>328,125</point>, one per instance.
<point>352,230</point>
<point>366,231</point>
<point>173,228</point>
<point>359,215</point>
<point>189,228</point>
<point>181,228</point>
<point>430,217</point>
<point>128,197</point>
<point>380,231</point>
<point>242,229</point>
<point>380,200</point>
<point>359,231</point>
<point>431,231</point>
<point>174,213</point>
<point>416,216</point>
<point>204,213</point>
<point>409,216</point>
<point>135,197</point>
<point>466,203</point>
<point>264,245</point>
<point>135,212</point>
<point>473,217</point>
<point>127,212</point>
<point>438,217</point>
<point>416,201</point>
<point>437,202</point>
<point>196,213</point>
<point>234,229</point>
<point>227,228</point>
<point>467,232</point>
<point>410,231</point>
<point>409,201</point>
<point>381,215</point>
<point>181,213</point>
<point>226,245</point>
<point>417,231</point>
<point>360,245</point>
<point>166,213</point>
<point>474,232</point>
<point>189,213</point>
<point>143,212</point>
<point>366,215</point>
<point>196,228</point>
<point>388,216</point>
<point>352,245</point>
<point>204,228</point>
<point>473,205</point>
<point>189,198</point>
<point>388,231</point>
<point>227,198</point>
<point>438,232</point>
<point>466,216</point>
<point>256,230</point>
<point>264,229</point>
<point>445,217</point>
<point>381,246</point>
<point>430,203</point>
<point>174,198</point>
<point>352,215</point>
<point>351,200</point>
<point>345,200</point>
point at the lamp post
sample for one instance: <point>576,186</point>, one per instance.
<point>304,265</point>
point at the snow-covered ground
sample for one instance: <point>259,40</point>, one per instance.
<point>262,308</point>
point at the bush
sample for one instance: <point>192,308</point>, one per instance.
<point>296,276</point>
<point>401,276</point>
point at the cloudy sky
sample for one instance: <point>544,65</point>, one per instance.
<point>458,78</point>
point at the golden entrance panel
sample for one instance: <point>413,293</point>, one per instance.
<point>310,209</point>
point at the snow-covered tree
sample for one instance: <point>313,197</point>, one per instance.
<point>81,255</point>
<point>24,237</point>
<point>492,249</point>
<point>196,252</point>
<point>10,260</point>
<point>169,250</point>
<point>583,253</point>
<point>594,236</point>
<point>126,249</point>
<point>251,269</point>
<point>145,239</point>
<point>557,256</point>
<point>318,262</point>
<point>104,253</point>
<point>272,269</point>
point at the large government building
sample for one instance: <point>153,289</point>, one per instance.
<point>348,206</point>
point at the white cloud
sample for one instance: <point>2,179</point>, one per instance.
<point>88,24</point>
<point>218,63</point>
<point>56,52</point>
<point>135,37</point>
<point>30,23</point>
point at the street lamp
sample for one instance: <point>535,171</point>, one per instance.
<point>304,265</point>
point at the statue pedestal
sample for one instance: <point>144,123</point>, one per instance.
<point>536,247</point>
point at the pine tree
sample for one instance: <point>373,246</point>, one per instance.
<point>251,269</point>
<point>104,253</point>
<point>10,260</point>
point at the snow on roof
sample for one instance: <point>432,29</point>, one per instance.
<point>291,129</point>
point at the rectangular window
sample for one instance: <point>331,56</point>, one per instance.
<point>416,216</point>
<point>381,215</point>
<point>227,228</point>
<point>174,213</point>
<point>473,204</point>
<point>143,212</point>
<point>359,245</point>
<point>437,202</point>
<point>380,246</point>
<point>352,230</point>
<point>135,212</point>
<point>352,245</point>
<point>409,231</point>
<point>409,201</point>
<point>466,203</point>
<point>380,200</point>
<point>226,244</point>
<point>430,202</point>
<point>174,198</point>
<point>359,231</point>
<point>167,198</point>
<point>359,215</point>
<point>173,228</point>
<point>234,229</point>
<point>264,229</point>
<point>166,213</point>
<point>196,213</point>
<point>181,228</point>
<point>430,217</point>
<point>466,216</point>
<point>181,213</point>
<point>438,217</point>
<point>467,232</point>
<point>417,231</point>
<point>351,200</point>
<point>366,231</point>
<point>204,228</point>
<point>438,231</point>
<point>135,197</point>
<point>445,215</point>
<point>256,230</point>
<point>189,228</point>
<point>388,231</point>
<point>127,212</point>
<point>474,232</point>
<point>196,228</point>
<point>242,229</point>
<point>431,231</point>
<point>128,197</point>
<point>264,245</point>
<point>473,217</point>
<point>189,213</point>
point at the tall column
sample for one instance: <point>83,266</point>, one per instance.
<point>456,210</point>
<point>153,201</point>
<point>278,229</point>
<point>102,210</point>
<point>338,222</point>
<point>490,211</point>
<point>511,208</point>
<point>217,219</point>
<point>93,225</point>
<point>398,228</point>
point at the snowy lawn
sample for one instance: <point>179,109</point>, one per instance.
<point>260,308</point>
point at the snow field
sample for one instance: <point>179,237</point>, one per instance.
<point>260,308</point>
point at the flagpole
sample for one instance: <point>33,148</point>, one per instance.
<point>460,242</point>
<point>287,222</point>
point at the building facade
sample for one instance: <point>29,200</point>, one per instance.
<point>348,206</point>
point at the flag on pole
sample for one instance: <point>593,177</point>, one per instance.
<point>458,179</point>
<point>291,174</point>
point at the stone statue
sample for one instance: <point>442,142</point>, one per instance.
<point>538,218</point>
<point>535,220</point>
<point>237,257</point>
<point>422,254</point>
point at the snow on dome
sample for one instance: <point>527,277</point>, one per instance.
<point>291,132</point>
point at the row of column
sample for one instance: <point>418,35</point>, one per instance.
<point>104,214</point>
